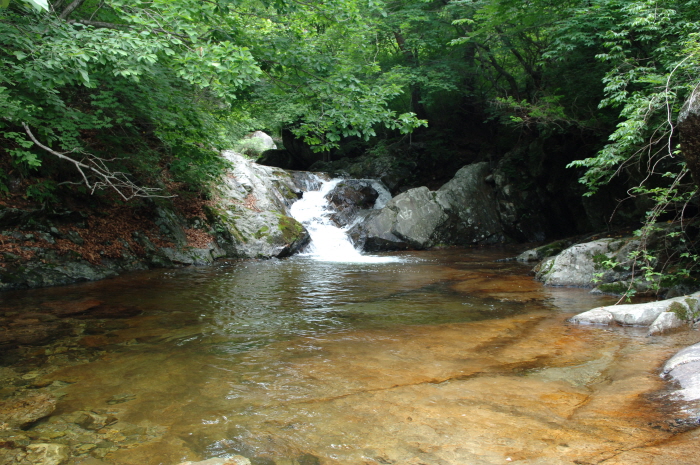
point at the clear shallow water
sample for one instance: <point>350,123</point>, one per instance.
<point>443,357</point>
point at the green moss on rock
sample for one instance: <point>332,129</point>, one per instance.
<point>291,229</point>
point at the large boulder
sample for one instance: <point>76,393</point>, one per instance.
<point>409,220</point>
<point>350,196</point>
<point>684,369</point>
<point>464,211</point>
<point>583,265</point>
<point>252,218</point>
<point>661,316</point>
<point>471,207</point>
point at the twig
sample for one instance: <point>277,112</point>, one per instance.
<point>106,178</point>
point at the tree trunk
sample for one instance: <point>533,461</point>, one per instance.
<point>416,97</point>
<point>689,129</point>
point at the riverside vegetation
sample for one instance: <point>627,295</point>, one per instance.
<point>108,101</point>
<point>490,122</point>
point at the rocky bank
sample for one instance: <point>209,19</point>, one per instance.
<point>247,218</point>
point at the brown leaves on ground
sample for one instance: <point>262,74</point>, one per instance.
<point>251,203</point>
<point>198,239</point>
<point>9,246</point>
<point>109,233</point>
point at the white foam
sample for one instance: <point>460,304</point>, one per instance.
<point>329,243</point>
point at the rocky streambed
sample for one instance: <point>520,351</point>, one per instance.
<point>444,357</point>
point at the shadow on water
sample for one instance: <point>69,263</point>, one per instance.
<point>439,357</point>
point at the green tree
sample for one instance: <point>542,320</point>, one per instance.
<point>131,92</point>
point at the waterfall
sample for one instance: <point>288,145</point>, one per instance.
<point>329,243</point>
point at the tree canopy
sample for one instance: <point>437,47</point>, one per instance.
<point>148,92</point>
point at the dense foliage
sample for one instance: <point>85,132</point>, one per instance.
<point>134,94</point>
<point>147,92</point>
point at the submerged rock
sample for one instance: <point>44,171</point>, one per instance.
<point>235,460</point>
<point>25,410</point>
<point>47,454</point>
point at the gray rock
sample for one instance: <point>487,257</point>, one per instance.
<point>664,323</point>
<point>464,211</point>
<point>597,316</point>
<point>252,218</point>
<point>171,226</point>
<point>544,251</point>
<point>264,140</point>
<point>472,208</point>
<point>192,256</point>
<point>653,314</point>
<point>684,368</point>
<point>409,220</point>
<point>581,264</point>
<point>418,217</point>
<point>350,196</point>
<point>374,234</point>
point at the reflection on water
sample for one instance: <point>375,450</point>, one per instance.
<point>447,357</point>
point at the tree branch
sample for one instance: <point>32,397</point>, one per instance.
<point>70,8</point>
<point>100,24</point>
<point>92,165</point>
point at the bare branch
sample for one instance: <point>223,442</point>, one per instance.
<point>93,166</point>
<point>100,24</point>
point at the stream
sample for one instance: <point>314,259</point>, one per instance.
<point>442,357</point>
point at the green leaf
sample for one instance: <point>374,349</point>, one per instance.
<point>39,4</point>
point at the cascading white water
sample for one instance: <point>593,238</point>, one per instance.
<point>329,242</point>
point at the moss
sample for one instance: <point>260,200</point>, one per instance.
<point>553,248</point>
<point>291,229</point>
<point>261,232</point>
<point>680,310</point>
<point>599,260</point>
<point>616,288</point>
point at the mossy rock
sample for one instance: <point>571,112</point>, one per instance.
<point>291,229</point>
<point>615,288</point>
<point>681,311</point>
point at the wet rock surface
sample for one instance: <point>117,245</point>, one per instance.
<point>661,316</point>
<point>684,369</point>
<point>351,196</point>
